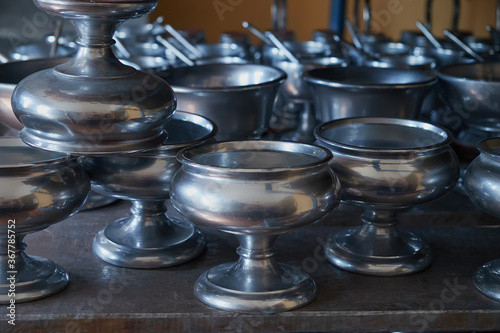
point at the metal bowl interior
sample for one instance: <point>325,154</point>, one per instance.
<point>255,156</point>
<point>382,135</point>
<point>368,77</point>
<point>222,77</point>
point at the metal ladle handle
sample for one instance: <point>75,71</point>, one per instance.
<point>279,14</point>
<point>456,15</point>
<point>184,42</point>
<point>257,33</point>
<point>462,45</point>
<point>281,47</point>
<point>174,50</point>
<point>366,16</point>
<point>429,36</point>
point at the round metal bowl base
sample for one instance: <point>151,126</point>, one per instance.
<point>345,251</point>
<point>186,243</point>
<point>90,145</point>
<point>298,290</point>
<point>487,279</point>
<point>38,278</point>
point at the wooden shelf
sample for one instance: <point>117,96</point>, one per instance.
<point>105,298</point>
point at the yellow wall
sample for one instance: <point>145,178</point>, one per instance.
<point>390,16</point>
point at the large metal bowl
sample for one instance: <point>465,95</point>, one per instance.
<point>237,97</point>
<point>471,90</point>
<point>367,91</point>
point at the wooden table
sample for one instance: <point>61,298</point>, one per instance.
<point>105,298</point>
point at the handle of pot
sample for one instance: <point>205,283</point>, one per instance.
<point>279,14</point>
<point>366,16</point>
<point>456,15</point>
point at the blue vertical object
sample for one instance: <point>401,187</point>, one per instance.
<point>337,12</point>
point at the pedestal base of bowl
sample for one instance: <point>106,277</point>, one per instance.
<point>35,278</point>
<point>358,251</point>
<point>169,242</point>
<point>228,287</point>
<point>487,279</point>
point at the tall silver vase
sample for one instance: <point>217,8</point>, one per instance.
<point>93,104</point>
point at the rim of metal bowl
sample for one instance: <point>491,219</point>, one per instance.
<point>309,77</point>
<point>280,79</point>
<point>16,142</point>
<point>490,147</point>
<point>446,72</point>
<point>446,134</point>
<point>194,119</point>
<point>252,145</point>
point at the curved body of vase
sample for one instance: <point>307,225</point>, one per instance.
<point>93,104</point>
<point>39,188</point>
<point>148,238</point>
<point>384,165</point>
<point>255,190</point>
<point>481,184</point>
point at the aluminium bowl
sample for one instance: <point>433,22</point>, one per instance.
<point>238,97</point>
<point>368,92</point>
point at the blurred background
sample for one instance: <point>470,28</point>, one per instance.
<point>21,22</point>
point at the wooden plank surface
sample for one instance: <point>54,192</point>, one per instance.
<point>105,298</point>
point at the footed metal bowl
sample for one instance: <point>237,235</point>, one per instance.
<point>39,188</point>
<point>384,165</point>
<point>148,238</point>
<point>481,183</point>
<point>255,190</point>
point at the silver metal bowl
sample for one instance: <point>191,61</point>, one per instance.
<point>425,64</point>
<point>255,190</point>
<point>367,91</point>
<point>148,238</point>
<point>301,50</point>
<point>237,97</point>
<point>38,189</point>
<point>481,184</point>
<point>471,90</point>
<point>384,165</point>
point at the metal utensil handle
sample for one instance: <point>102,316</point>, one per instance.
<point>257,33</point>
<point>184,42</point>
<point>366,16</point>
<point>279,14</point>
<point>281,47</point>
<point>429,36</point>
<point>354,35</point>
<point>456,15</point>
<point>462,45</point>
<point>123,50</point>
<point>57,35</point>
<point>174,50</point>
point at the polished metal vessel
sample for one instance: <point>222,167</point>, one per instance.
<point>384,165</point>
<point>148,238</point>
<point>94,104</point>
<point>471,90</point>
<point>237,97</point>
<point>368,92</point>
<point>255,190</point>
<point>481,183</point>
<point>39,188</point>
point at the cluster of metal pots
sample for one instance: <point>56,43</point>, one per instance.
<point>254,140</point>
